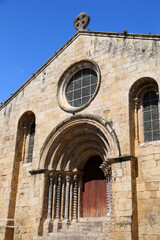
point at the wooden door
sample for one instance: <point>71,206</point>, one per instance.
<point>94,189</point>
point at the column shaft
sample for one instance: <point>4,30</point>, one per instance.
<point>109,194</point>
<point>58,196</point>
<point>50,199</point>
<point>67,198</point>
<point>80,197</point>
<point>75,198</point>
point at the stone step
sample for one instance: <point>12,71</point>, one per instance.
<point>69,238</point>
<point>72,236</point>
<point>94,225</point>
<point>84,227</point>
<point>78,231</point>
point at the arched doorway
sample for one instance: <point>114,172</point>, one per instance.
<point>64,155</point>
<point>94,189</point>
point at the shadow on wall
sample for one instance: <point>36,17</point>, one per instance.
<point>20,152</point>
<point>137,94</point>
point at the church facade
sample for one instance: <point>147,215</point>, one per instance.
<point>80,143</point>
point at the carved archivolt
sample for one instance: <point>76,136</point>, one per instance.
<point>64,154</point>
<point>74,141</point>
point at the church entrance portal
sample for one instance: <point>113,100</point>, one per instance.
<point>94,189</point>
<point>77,188</point>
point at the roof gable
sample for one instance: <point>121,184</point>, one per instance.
<point>124,35</point>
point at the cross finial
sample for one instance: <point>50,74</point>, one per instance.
<point>81,21</point>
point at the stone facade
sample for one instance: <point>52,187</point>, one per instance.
<point>42,199</point>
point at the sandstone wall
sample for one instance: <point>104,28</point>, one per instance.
<point>122,61</point>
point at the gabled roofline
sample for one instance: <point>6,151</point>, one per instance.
<point>124,35</point>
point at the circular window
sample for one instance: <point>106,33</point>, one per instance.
<point>78,86</point>
<point>81,87</point>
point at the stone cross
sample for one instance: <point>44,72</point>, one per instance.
<point>81,21</point>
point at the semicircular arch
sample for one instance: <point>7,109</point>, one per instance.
<point>75,137</point>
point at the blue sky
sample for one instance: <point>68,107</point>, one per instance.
<point>32,30</point>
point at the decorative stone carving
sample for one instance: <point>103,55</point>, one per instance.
<point>109,194</point>
<point>58,196</point>
<point>136,102</point>
<point>81,21</point>
<point>75,198</point>
<point>108,175</point>
<point>107,171</point>
<point>50,198</point>
<point>66,79</point>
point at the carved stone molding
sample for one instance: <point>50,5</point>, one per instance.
<point>107,171</point>
<point>50,198</point>
<point>108,175</point>
<point>109,194</point>
<point>58,196</point>
<point>75,198</point>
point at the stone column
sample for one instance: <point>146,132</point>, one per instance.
<point>136,102</point>
<point>67,198</point>
<point>54,197</point>
<point>48,224</point>
<point>75,198</point>
<point>58,196</point>
<point>25,132</point>
<point>62,197</point>
<point>123,213</point>
<point>108,175</point>
<point>71,199</point>
<point>50,198</point>
<point>80,195</point>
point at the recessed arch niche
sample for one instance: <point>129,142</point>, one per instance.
<point>24,122</point>
<point>136,94</point>
<point>76,139</point>
<point>64,155</point>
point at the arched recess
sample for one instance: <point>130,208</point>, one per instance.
<point>64,155</point>
<point>66,145</point>
<point>136,96</point>
<point>21,148</point>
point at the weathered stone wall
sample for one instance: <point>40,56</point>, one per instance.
<point>122,61</point>
<point>148,190</point>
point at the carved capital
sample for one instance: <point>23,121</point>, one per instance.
<point>68,178</point>
<point>51,176</point>
<point>106,168</point>
<point>75,178</point>
<point>136,102</point>
<point>107,171</point>
<point>25,130</point>
<point>59,179</point>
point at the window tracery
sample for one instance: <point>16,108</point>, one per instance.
<point>78,86</point>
